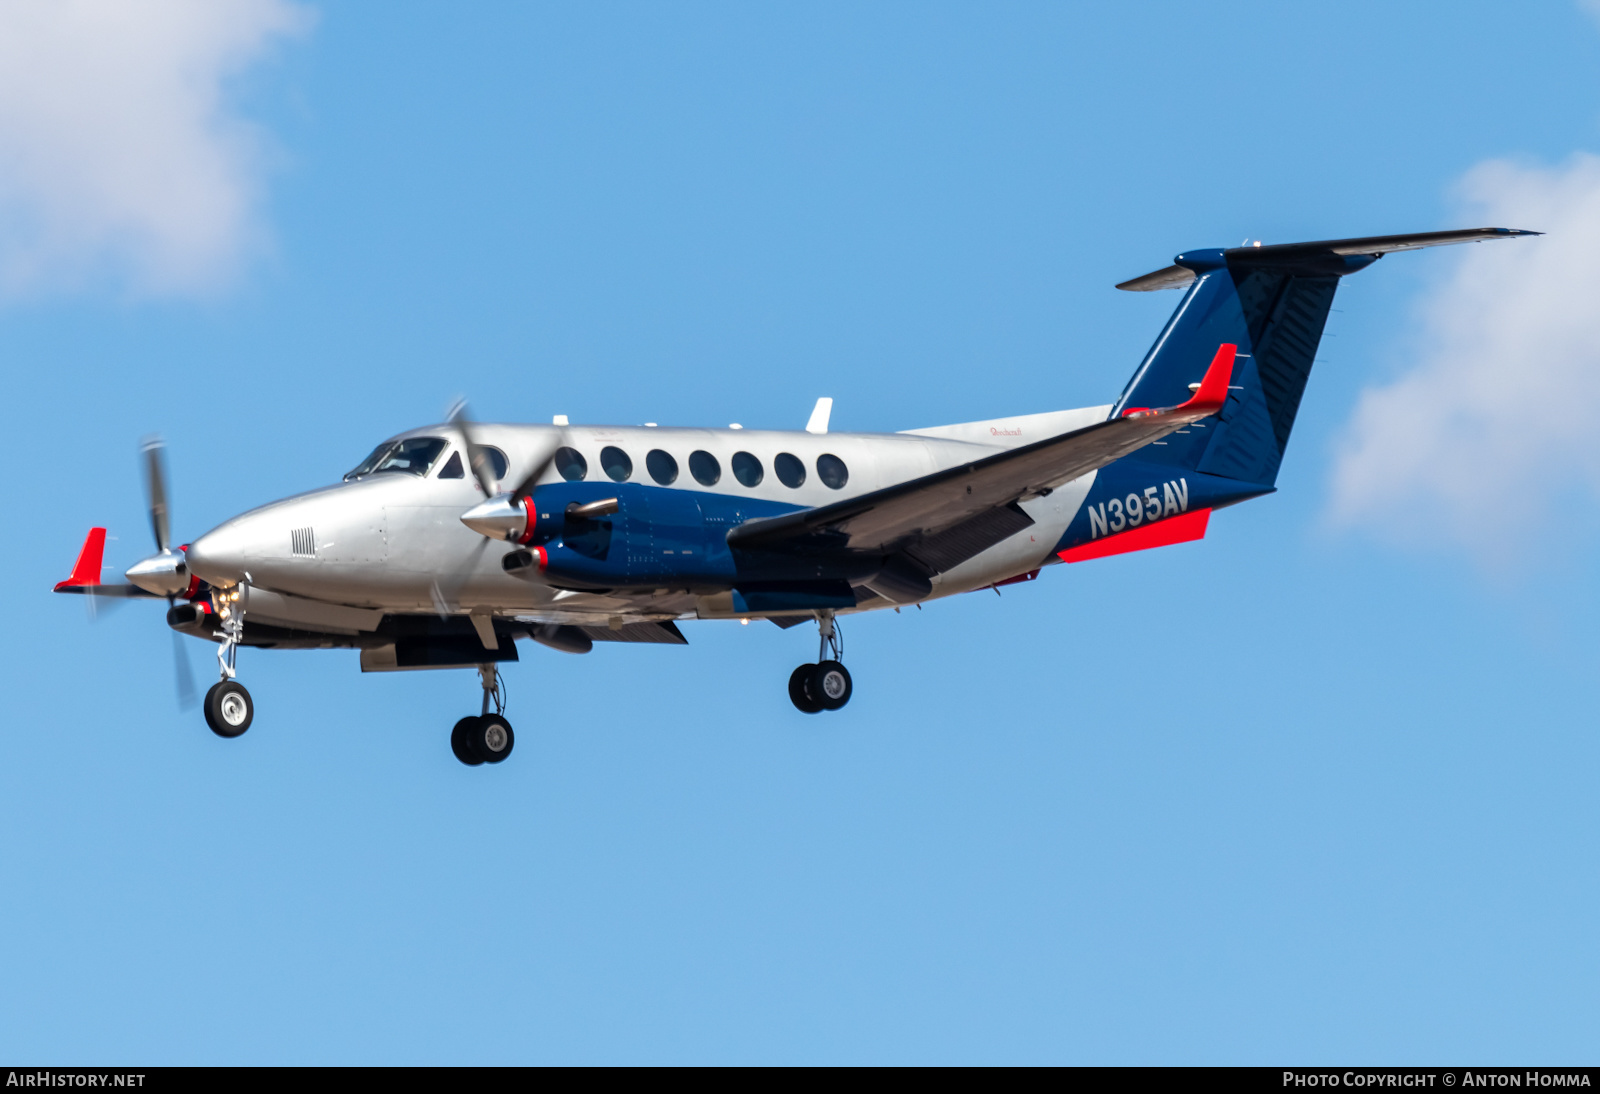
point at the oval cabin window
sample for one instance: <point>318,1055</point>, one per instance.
<point>705,468</point>
<point>571,465</point>
<point>616,464</point>
<point>790,471</point>
<point>662,467</point>
<point>747,469</point>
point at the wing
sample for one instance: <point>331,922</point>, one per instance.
<point>951,511</point>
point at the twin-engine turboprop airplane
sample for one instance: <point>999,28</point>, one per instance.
<point>449,543</point>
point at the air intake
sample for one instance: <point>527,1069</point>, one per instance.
<point>303,541</point>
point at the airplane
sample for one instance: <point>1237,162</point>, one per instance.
<point>451,543</point>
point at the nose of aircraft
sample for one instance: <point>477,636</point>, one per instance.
<point>219,555</point>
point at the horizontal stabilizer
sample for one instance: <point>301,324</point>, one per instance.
<point>1173,277</point>
<point>1178,277</point>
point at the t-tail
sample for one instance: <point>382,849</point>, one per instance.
<point>1272,303</point>
<point>1269,303</point>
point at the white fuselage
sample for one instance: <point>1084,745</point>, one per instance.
<point>343,556</point>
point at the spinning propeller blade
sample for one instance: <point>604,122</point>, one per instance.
<point>155,489</point>
<point>183,673</point>
<point>482,466</point>
<point>446,590</point>
<point>500,516</point>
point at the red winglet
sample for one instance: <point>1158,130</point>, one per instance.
<point>1176,529</point>
<point>86,571</point>
<point>1213,390</point>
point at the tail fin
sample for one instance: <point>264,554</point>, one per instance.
<point>1272,302</point>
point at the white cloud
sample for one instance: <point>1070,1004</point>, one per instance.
<point>1494,428</point>
<point>119,152</point>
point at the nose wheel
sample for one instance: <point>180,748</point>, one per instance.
<point>229,708</point>
<point>825,685</point>
<point>485,738</point>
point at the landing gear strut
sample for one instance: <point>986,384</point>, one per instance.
<point>229,708</point>
<point>825,685</point>
<point>485,738</point>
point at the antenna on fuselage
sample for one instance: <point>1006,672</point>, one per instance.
<point>820,415</point>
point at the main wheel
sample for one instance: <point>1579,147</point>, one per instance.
<point>800,690</point>
<point>830,683</point>
<point>491,738</point>
<point>229,709</point>
<point>461,741</point>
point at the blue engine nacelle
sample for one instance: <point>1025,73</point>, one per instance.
<point>596,535</point>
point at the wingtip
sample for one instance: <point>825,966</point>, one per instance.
<point>1213,391</point>
<point>86,571</point>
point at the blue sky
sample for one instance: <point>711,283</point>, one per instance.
<point>1318,789</point>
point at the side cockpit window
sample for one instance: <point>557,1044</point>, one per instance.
<point>494,461</point>
<point>414,456</point>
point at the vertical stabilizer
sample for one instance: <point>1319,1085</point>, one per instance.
<point>1271,302</point>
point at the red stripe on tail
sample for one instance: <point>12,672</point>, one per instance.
<point>1179,529</point>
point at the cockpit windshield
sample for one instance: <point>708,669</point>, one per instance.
<point>414,455</point>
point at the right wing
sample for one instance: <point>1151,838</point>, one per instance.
<point>983,492</point>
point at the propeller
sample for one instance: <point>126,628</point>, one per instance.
<point>155,489</point>
<point>183,673</point>
<point>446,593</point>
<point>499,516</point>
<point>164,572</point>
<point>482,466</point>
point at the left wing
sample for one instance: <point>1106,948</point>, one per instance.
<point>984,491</point>
<point>86,572</point>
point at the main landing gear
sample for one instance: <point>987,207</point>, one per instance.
<point>825,685</point>
<point>485,738</point>
<point>229,708</point>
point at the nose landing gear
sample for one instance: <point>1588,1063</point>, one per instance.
<point>229,708</point>
<point>825,685</point>
<point>485,738</point>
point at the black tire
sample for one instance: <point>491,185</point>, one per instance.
<point>800,691</point>
<point>229,709</point>
<point>491,738</point>
<point>830,683</point>
<point>461,741</point>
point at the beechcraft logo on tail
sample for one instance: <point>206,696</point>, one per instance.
<point>1135,509</point>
